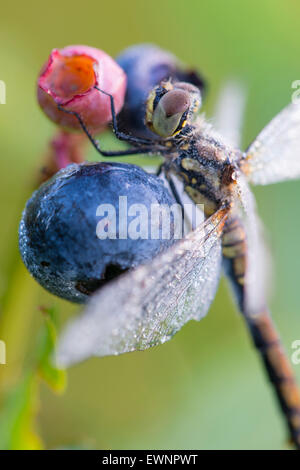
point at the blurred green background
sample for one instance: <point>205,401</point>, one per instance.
<point>205,388</point>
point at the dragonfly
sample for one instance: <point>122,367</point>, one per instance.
<point>148,305</point>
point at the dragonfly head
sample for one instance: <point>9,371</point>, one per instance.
<point>171,106</point>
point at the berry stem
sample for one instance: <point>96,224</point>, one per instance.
<point>64,148</point>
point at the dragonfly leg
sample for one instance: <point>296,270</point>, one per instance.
<point>159,169</point>
<point>176,196</point>
<point>262,331</point>
<point>96,145</point>
<point>121,135</point>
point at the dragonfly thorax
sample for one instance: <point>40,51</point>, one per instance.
<point>208,171</point>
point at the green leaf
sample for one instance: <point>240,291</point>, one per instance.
<point>52,375</point>
<point>18,415</point>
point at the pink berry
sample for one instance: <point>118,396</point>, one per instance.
<point>68,80</point>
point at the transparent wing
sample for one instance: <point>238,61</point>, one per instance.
<point>275,154</point>
<point>148,305</point>
<point>229,112</point>
<point>258,258</point>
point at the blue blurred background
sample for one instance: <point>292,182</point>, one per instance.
<point>206,388</point>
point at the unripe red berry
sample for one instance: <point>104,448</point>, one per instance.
<point>68,79</point>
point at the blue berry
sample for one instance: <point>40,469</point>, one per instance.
<point>57,235</point>
<point>146,65</point>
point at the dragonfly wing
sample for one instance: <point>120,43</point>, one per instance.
<point>148,305</point>
<point>258,258</point>
<point>193,213</point>
<point>229,112</point>
<point>275,154</point>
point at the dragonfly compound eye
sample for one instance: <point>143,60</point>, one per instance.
<point>170,113</point>
<point>171,106</point>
